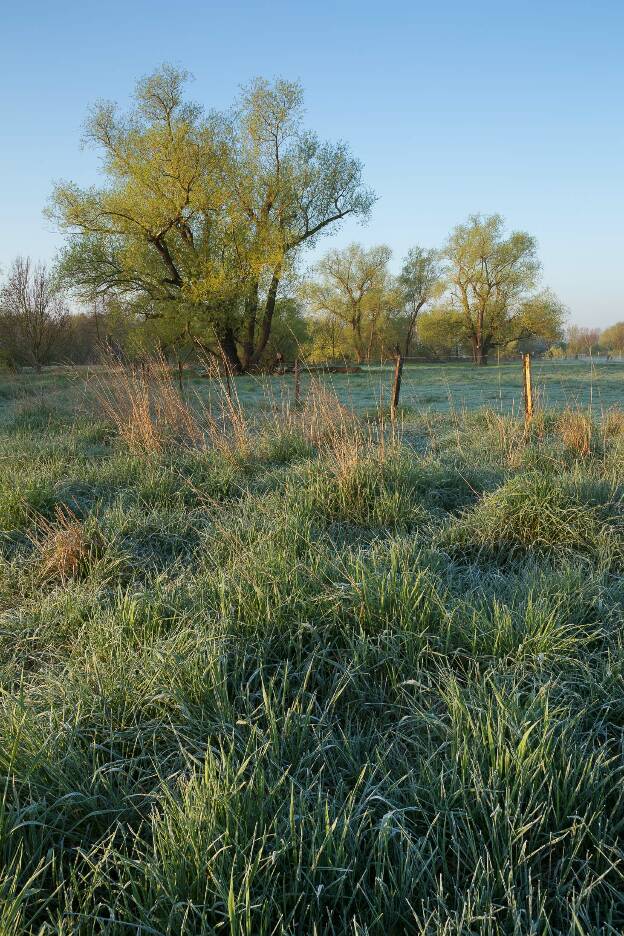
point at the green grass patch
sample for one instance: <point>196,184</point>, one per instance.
<point>353,684</point>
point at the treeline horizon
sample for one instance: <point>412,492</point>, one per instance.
<point>195,244</point>
<point>79,336</point>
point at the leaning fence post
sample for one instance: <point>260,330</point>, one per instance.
<point>528,387</point>
<point>297,374</point>
<point>396,387</point>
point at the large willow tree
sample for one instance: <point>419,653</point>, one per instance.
<point>203,216</point>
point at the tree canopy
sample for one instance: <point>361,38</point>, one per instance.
<point>352,288</point>
<point>612,338</point>
<point>493,281</point>
<point>202,216</point>
<point>421,281</point>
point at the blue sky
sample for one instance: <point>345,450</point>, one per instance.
<point>452,107</point>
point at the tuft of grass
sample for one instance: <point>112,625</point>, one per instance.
<point>66,548</point>
<point>577,432</point>
<point>613,422</point>
<point>539,513</point>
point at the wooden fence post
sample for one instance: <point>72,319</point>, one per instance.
<point>528,387</point>
<point>297,374</point>
<point>396,387</point>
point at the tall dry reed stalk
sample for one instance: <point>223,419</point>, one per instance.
<point>151,414</point>
<point>145,407</point>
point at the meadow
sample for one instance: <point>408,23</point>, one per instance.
<point>447,388</point>
<point>278,670</point>
<point>453,387</point>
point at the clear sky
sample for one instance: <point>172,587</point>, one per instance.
<point>453,107</point>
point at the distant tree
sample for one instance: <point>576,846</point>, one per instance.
<point>202,217</point>
<point>582,340</point>
<point>353,288</point>
<point>537,321</point>
<point>330,339</point>
<point>419,283</point>
<point>612,339</point>
<point>492,278</point>
<point>441,334</point>
<point>34,312</point>
<point>78,343</point>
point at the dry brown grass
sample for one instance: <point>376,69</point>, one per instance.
<point>145,406</point>
<point>150,414</point>
<point>330,426</point>
<point>613,422</point>
<point>65,550</point>
<point>577,431</point>
<point>511,436</point>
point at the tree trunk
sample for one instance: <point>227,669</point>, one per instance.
<point>267,318</point>
<point>369,349</point>
<point>229,352</point>
<point>480,345</point>
<point>357,330</point>
<point>251,317</point>
<point>479,351</point>
<point>411,329</point>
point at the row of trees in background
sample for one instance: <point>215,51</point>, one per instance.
<point>196,241</point>
<point>476,295</point>
<point>351,310</point>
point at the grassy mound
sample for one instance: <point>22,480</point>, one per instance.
<point>542,513</point>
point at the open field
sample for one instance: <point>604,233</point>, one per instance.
<point>454,387</point>
<point>307,677</point>
<point>447,388</point>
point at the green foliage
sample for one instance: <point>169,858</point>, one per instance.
<point>202,217</point>
<point>440,332</point>
<point>484,284</point>
<point>492,280</point>
<point>613,339</point>
<point>362,685</point>
<point>419,283</point>
<point>353,299</point>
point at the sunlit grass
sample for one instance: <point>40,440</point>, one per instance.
<point>328,678</point>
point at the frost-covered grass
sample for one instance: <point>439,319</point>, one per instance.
<point>455,388</point>
<point>447,388</point>
<point>332,681</point>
